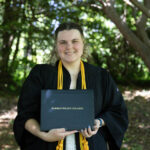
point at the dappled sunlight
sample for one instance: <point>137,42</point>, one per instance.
<point>131,94</point>
<point>7,141</point>
<point>5,117</point>
<point>138,104</point>
<point>136,137</point>
<point>6,146</point>
<point>142,126</point>
<point>126,147</point>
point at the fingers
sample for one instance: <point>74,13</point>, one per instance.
<point>96,127</point>
<point>61,136</point>
<point>63,133</point>
<point>66,133</point>
<point>70,132</point>
<point>88,132</point>
<point>56,134</point>
<point>96,122</point>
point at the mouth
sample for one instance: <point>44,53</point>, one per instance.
<point>69,53</point>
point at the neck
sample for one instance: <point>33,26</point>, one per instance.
<point>73,68</point>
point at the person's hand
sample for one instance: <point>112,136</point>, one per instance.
<point>90,132</point>
<point>56,134</point>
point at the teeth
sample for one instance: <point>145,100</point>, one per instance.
<point>69,53</point>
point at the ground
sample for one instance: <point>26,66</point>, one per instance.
<point>137,136</point>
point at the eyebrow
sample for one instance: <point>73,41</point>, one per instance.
<point>65,40</point>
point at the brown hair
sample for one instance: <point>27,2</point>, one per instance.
<point>67,26</point>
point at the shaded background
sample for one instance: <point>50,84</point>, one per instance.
<point>117,33</point>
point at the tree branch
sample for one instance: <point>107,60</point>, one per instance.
<point>15,53</point>
<point>141,32</point>
<point>141,25</point>
<point>141,7</point>
<point>133,8</point>
<point>128,3</point>
<point>137,44</point>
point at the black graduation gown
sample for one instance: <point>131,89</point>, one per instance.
<point>109,105</point>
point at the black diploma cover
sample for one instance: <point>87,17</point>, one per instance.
<point>69,109</point>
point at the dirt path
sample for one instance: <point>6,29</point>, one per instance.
<point>137,136</point>
<point>7,141</point>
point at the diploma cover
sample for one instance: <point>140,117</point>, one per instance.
<point>69,109</point>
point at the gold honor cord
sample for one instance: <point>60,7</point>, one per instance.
<point>60,77</point>
<point>83,141</point>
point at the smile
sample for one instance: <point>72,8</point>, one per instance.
<point>69,53</point>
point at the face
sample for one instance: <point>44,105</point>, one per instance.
<point>69,45</point>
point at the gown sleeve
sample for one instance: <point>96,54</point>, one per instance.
<point>28,106</point>
<point>114,114</point>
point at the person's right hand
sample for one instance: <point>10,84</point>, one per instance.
<point>56,134</point>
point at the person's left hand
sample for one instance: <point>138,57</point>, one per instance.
<point>90,132</point>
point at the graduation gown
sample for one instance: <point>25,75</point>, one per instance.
<point>108,101</point>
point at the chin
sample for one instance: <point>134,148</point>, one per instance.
<point>71,60</point>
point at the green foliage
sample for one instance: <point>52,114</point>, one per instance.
<point>32,25</point>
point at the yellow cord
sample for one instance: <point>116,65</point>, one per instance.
<point>60,145</point>
<point>60,77</point>
<point>83,141</point>
<point>83,76</point>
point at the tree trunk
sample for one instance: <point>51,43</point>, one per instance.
<point>8,34</point>
<point>134,41</point>
<point>7,40</point>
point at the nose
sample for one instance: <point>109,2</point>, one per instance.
<point>69,45</point>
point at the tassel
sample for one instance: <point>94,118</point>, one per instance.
<point>60,145</point>
<point>83,141</point>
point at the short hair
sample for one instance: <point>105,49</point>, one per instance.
<point>68,26</point>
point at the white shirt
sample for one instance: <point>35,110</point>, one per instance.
<point>70,142</point>
<point>70,139</point>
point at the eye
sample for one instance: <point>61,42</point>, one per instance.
<point>74,41</point>
<point>62,42</point>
